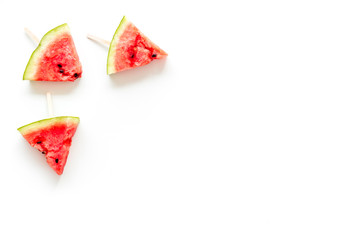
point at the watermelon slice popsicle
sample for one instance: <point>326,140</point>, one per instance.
<point>55,58</point>
<point>129,48</point>
<point>51,136</point>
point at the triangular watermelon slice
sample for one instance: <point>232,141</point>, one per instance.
<point>55,59</point>
<point>130,48</point>
<point>52,137</point>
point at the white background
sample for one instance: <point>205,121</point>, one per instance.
<point>250,129</point>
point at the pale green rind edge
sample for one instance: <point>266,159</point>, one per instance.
<point>44,42</point>
<point>45,122</point>
<point>112,48</point>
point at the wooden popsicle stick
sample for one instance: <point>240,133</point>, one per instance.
<point>49,104</point>
<point>98,40</point>
<point>32,36</point>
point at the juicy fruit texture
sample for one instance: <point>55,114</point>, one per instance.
<point>55,59</point>
<point>130,48</point>
<point>52,137</point>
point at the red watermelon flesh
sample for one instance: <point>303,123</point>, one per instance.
<point>55,59</point>
<point>53,138</point>
<point>130,48</point>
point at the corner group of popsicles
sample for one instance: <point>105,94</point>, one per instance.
<point>56,59</point>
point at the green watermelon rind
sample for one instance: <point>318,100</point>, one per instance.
<point>33,62</point>
<point>112,48</point>
<point>38,125</point>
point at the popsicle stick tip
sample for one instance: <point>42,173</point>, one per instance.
<point>32,36</point>
<point>98,40</point>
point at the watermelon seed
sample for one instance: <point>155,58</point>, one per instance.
<point>154,55</point>
<point>59,65</point>
<point>132,56</point>
<point>61,71</point>
<point>76,75</point>
<point>38,142</point>
<point>43,152</point>
<point>56,160</point>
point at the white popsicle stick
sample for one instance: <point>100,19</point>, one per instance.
<point>32,36</point>
<point>50,104</point>
<point>98,40</point>
<point>48,94</point>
